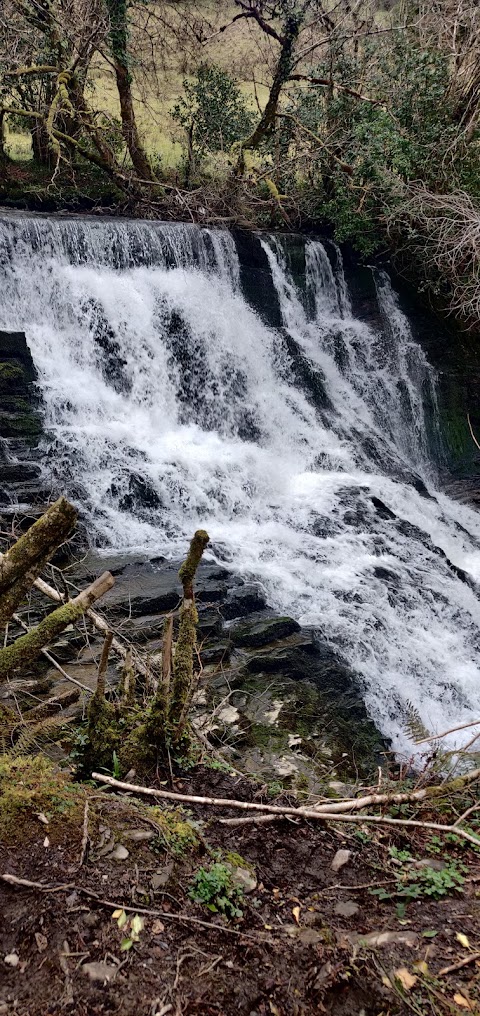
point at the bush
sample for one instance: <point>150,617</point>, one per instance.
<point>213,111</point>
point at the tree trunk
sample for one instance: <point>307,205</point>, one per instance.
<point>117,10</point>
<point>266,124</point>
<point>26,648</point>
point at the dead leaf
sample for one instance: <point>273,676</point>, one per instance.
<point>421,966</point>
<point>42,818</point>
<point>296,914</point>
<point>137,925</point>
<point>463,1002</point>
<point>157,928</point>
<point>407,980</point>
<point>463,940</point>
<point>274,1009</point>
<point>42,941</point>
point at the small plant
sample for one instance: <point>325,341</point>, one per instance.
<point>218,765</point>
<point>416,883</point>
<point>131,926</point>
<point>216,889</point>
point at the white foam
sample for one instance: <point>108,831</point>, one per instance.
<point>202,406</point>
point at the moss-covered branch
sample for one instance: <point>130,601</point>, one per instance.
<point>26,649</point>
<point>23,562</point>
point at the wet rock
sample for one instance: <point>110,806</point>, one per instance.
<point>104,972</point>
<point>262,631</point>
<point>162,877</point>
<point>244,878</point>
<point>243,600</point>
<point>219,652</point>
<point>139,835</point>
<point>210,623</point>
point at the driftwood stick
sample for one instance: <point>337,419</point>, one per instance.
<point>183,663</point>
<point>458,966</point>
<point>282,812</point>
<point>28,647</point>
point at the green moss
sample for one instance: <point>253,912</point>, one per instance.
<point>103,731</point>
<point>11,372</point>
<point>189,567</point>
<point>31,784</point>
<point>177,831</point>
<point>237,861</point>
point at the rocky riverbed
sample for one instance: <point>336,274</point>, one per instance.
<point>272,698</point>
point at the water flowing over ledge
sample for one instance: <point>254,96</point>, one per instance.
<point>308,450</point>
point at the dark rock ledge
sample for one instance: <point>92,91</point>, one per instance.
<point>20,424</point>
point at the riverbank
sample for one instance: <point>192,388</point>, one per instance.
<point>102,905</point>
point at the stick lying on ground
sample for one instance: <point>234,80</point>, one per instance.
<point>332,815</point>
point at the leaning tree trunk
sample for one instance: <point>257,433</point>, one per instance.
<point>266,124</point>
<point>117,10</point>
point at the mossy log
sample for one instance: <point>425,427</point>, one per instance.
<point>26,649</point>
<point>23,562</point>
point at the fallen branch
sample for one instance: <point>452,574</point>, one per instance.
<point>49,657</point>
<point>26,648</point>
<point>282,812</point>
<point>42,887</point>
<point>99,623</point>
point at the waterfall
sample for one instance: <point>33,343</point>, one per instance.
<point>305,450</point>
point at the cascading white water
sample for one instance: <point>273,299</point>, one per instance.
<point>171,405</point>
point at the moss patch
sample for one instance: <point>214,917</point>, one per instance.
<point>31,784</point>
<point>177,831</point>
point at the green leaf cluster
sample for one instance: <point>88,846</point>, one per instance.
<point>216,889</point>
<point>213,111</point>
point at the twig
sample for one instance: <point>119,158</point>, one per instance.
<point>459,965</point>
<point>43,887</point>
<point>102,669</point>
<point>85,836</point>
<point>453,730</point>
<point>282,812</point>
<point>51,660</point>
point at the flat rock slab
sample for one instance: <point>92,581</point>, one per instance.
<point>262,631</point>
